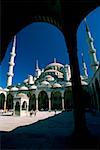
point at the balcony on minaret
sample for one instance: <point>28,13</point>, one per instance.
<point>10,74</point>
<point>11,63</point>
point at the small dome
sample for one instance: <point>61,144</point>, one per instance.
<point>45,83</point>
<point>14,89</point>
<point>0,88</point>
<point>25,81</point>
<point>57,85</point>
<point>49,78</point>
<point>5,89</point>
<point>22,95</point>
<point>23,88</point>
<point>84,83</point>
<point>33,87</point>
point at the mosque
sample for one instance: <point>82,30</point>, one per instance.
<point>51,87</point>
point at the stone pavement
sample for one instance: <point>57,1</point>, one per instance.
<point>53,133</point>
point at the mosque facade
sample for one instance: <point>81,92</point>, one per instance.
<point>51,87</point>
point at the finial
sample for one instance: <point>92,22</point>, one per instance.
<point>54,60</point>
<point>37,67</point>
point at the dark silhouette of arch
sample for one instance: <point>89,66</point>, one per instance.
<point>9,101</point>
<point>43,101</point>
<point>66,12</point>
<point>56,100</point>
<point>94,97</point>
<point>97,90</point>
<point>2,100</point>
<point>32,102</point>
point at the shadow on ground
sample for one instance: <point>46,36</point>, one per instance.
<point>52,133</point>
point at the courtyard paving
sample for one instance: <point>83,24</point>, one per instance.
<point>46,131</point>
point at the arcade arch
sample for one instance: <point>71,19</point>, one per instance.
<point>32,102</point>
<point>43,101</point>
<point>9,103</point>
<point>56,100</point>
<point>2,100</point>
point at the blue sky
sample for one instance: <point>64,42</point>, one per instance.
<point>45,42</point>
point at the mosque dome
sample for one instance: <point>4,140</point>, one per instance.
<point>33,87</point>
<point>23,88</point>
<point>14,89</point>
<point>57,85</point>
<point>5,89</point>
<point>22,95</point>
<point>54,64</point>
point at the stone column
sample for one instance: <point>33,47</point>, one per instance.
<point>70,33</point>
<point>49,96</point>
<point>63,106</point>
<point>5,103</point>
<point>36,103</point>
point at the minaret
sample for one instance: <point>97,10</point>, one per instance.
<point>11,64</point>
<point>92,50</point>
<point>85,74</point>
<point>38,71</point>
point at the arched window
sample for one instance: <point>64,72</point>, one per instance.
<point>24,105</point>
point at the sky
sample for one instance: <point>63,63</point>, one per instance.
<point>44,42</point>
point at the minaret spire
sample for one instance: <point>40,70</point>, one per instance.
<point>92,50</point>
<point>55,60</point>
<point>10,73</point>
<point>37,65</point>
<point>85,74</point>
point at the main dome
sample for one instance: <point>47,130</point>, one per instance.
<point>54,64</point>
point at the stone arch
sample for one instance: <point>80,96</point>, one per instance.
<point>17,108</point>
<point>68,99</point>
<point>56,100</point>
<point>2,100</point>
<point>32,102</point>
<point>9,101</point>
<point>97,91</point>
<point>43,101</point>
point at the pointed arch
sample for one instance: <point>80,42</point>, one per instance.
<point>2,100</point>
<point>56,100</point>
<point>43,101</point>
<point>32,102</point>
<point>9,101</point>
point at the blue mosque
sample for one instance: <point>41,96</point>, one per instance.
<point>50,88</point>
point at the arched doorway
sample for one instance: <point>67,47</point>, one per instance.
<point>2,100</point>
<point>56,100</point>
<point>43,101</point>
<point>32,102</point>
<point>17,109</point>
<point>24,105</point>
<point>97,91</point>
<point>68,98</point>
<point>9,101</point>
